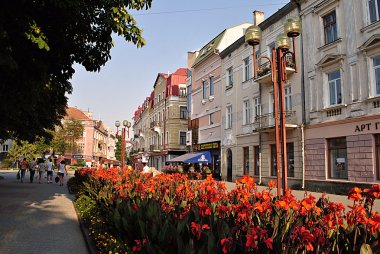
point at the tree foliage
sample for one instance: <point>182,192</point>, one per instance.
<point>65,136</point>
<point>39,43</point>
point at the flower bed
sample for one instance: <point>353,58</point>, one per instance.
<point>133,212</point>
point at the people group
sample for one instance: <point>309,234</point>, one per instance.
<point>42,166</point>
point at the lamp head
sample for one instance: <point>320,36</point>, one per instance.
<point>283,42</point>
<point>253,35</point>
<point>117,124</point>
<point>126,124</point>
<point>292,27</point>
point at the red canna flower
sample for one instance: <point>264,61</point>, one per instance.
<point>272,184</point>
<point>374,223</point>
<point>226,244</point>
<point>269,243</point>
<point>196,230</point>
<point>355,194</point>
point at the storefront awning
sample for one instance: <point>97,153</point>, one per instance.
<point>201,157</point>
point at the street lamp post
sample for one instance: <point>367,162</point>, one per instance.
<point>127,125</point>
<point>292,29</point>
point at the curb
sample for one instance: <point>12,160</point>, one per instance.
<point>90,244</point>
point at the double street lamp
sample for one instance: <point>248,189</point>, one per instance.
<point>127,125</point>
<point>278,63</point>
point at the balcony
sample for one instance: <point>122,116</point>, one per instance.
<point>153,148</point>
<point>266,122</point>
<point>156,126</point>
<point>264,71</point>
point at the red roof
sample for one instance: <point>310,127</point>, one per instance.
<point>74,113</point>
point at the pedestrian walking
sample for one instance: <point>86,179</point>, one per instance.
<point>61,172</point>
<point>23,168</point>
<point>50,171</point>
<point>41,169</point>
<point>32,169</point>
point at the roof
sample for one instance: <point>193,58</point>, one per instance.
<point>263,25</point>
<point>278,15</point>
<point>74,113</point>
<point>209,48</point>
<point>165,76</point>
<point>181,72</point>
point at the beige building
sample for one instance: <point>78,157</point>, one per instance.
<point>165,136</point>
<point>342,80</point>
<point>248,130</point>
<point>142,132</point>
<point>206,94</point>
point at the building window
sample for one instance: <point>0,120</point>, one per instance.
<point>273,164</point>
<point>182,91</point>
<point>167,137</point>
<point>183,112</point>
<point>337,149</point>
<point>162,138</point>
<point>211,119</point>
<point>257,104</point>
<point>5,148</point>
<point>335,87</point>
<point>376,74</point>
<point>80,147</point>
<point>182,138</point>
<point>256,150</point>
<point>159,98</point>
<point>229,117</point>
<point>330,28</point>
<point>288,98</point>
<point>246,160</point>
<point>246,69</point>
<point>211,86</point>
<point>377,147</point>
<point>373,10</point>
<point>246,112</point>
<point>230,77</point>
<point>159,117</point>
<point>290,155</point>
<point>204,87</point>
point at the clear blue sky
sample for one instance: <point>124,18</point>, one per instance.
<point>171,28</point>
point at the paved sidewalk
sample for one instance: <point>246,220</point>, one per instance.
<point>37,218</point>
<point>299,194</point>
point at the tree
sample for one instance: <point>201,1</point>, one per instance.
<point>22,149</point>
<point>65,136</point>
<point>39,43</point>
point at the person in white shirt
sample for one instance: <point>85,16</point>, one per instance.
<point>146,168</point>
<point>41,169</point>
<point>50,171</point>
<point>61,172</point>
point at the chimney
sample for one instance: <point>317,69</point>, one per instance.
<point>258,17</point>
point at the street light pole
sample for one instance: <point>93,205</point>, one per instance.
<point>127,125</point>
<point>292,28</point>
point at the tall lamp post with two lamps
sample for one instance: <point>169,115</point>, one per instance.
<point>127,125</point>
<point>292,29</point>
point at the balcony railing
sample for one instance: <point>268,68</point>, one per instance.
<point>264,71</point>
<point>153,148</point>
<point>267,121</point>
<point>155,126</point>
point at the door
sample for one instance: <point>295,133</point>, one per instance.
<point>229,165</point>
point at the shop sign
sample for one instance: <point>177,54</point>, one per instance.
<point>367,127</point>
<point>78,156</point>
<point>208,146</point>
